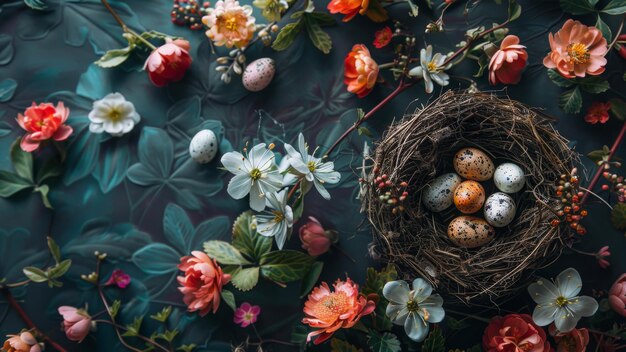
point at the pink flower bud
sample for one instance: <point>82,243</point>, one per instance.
<point>315,240</point>
<point>169,62</point>
<point>76,323</point>
<point>617,296</point>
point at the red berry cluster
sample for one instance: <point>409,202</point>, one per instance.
<point>390,193</point>
<point>570,209</point>
<point>615,183</point>
<point>189,13</point>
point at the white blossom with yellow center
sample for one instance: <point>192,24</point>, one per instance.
<point>114,115</point>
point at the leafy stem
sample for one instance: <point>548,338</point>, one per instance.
<point>619,30</point>
<point>471,42</point>
<point>125,28</point>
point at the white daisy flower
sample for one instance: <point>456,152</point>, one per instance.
<point>430,69</point>
<point>113,114</point>
<point>278,221</point>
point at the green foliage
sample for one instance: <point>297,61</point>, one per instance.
<point>600,155</point>
<point>247,240</point>
<point>559,80</point>
<point>310,21</point>
<point>618,108</point>
<point>577,7</point>
<point>133,328</point>
<point>287,35</point>
<point>186,348</point>
<point>163,314</point>
<point>318,36</point>
<point>375,280</point>
<point>615,7</point>
<point>229,299</point>
<point>114,57</point>
<point>571,101</point>
<point>55,251</point>
<point>310,279</point>
<point>618,216</point>
<point>115,308</point>
<point>245,279</point>
<point>455,324</point>
<point>593,84</point>
<point>387,342</point>
<point>515,10</point>
<point>604,28</point>
<point>435,342</point>
<point>167,335</point>
<point>35,274</point>
<point>286,265</point>
<point>337,345</point>
<point>36,4</point>
<point>224,253</point>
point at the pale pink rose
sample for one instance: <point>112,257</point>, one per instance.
<point>617,296</point>
<point>202,283</point>
<point>169,62</point>
<point>506,64</point>
<point>230,24</point>
<point>76,323</point>
<point>24,342</point>
<point>43,122</point>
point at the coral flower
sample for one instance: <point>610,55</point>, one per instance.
<point>514,333</point>
<point>598,112</point>
<point>246,314</point>
<point>573,341</point>
<point>617,296</point>
<point>169,62</point>
<point>360,71</point>
<point>315,240</point>
<point>118,278</point>
<point>76,323</point>
<point>202,283</point>
<point>351,8</point>
<point>329,311</point>
<point>230,24</point>
<point>382,37</point>
<point>43,122</point>
<point>506,64</point>
<point>577,50</point>
<point>24,342</point>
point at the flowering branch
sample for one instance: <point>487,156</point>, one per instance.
<point>471,41</point>
<point>125,28</point>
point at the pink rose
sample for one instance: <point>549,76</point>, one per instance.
<point>315,239</point>
<point>573,341</point>
<point>43,122</point>
<point>76,323</point>
<point>202,283</point>
<point>507,63</point>
<point>169,62</point>
<point>617,296</point>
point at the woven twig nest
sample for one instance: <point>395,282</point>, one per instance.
<point>421,147</point>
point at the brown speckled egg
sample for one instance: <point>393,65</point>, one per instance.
<point>473,164</point>
<point>470,232</point>
<point>469,197</point>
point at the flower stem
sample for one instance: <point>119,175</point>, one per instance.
<point>619,30</point>
<point>26,319</point>
<point>125,28</point>
<point>470,42</point>
<point>120,327</point>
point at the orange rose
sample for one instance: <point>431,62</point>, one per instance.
<point>350,8</point>
<point>24,342</point>
<point>202,283</point>
<point>360,71</point>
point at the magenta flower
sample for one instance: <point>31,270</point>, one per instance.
<point>118,278</point>
<point>246,314</point>
<point>601,256</point>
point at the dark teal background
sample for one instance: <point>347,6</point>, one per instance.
<point>50,55</point>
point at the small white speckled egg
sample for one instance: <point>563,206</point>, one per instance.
<point>258,74</point>
<point>499,209</point>
<point>439,193</point>
<point>509,178</point>
<point>203,146</point>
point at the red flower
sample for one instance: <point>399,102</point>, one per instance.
<point>43,122</point>
<point>382,37</point>
<point>169,62</point>
<point>351,8</point>
<point>598,112</point>
<point>573,341</point>
<point>507,63</point>
<point>315,240</point>
<point>617,296</point>
<point>514,333</point>
<point>202,283</point>
<point>360,71</point>
<point>118,278</point>
<point>601,256</point>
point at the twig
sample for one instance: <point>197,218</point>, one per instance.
<point>619,30</point>
<point>471,42</point>
<point>141,337</point>
<point>125,28</point>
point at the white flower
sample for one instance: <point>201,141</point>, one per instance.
<point>113,114</point>
<point>277,222</point>
<point>415,308</point>
<point>430,69</point>
<point>310,168</point>
<point>255,174</point>
<point>558,302</point>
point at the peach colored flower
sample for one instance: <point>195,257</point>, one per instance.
<point>506,64</point>
<point>43,122</point>
<point>382,38</point>
<point>24,342</point>
<point>169,62</point>
<point>329,311</point>
<point>617,296</point>
<point>351,8</point>
<point>577,50</point>
<point>315,240</point>
<point>573,341</point>
<point>202,283</point>
<point>230,24</point>
<point>360,71</point>
<point>76,323</point>
<point>598,112</point>
<point>514,333</point>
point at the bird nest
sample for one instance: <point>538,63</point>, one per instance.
<point>421,147</point>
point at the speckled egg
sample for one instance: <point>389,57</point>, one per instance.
<point>473,164</point>
<point>509,178</point>
<point>439,193</point>
<point>203,146</point>
<point>499,209</point>
<point>258,74</point>
<point>469,197</point>
<point>470,232</point>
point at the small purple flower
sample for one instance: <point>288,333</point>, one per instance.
<point>118,278</point>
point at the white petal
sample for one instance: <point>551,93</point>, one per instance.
<point>233,162</point>
<point>415,328</point>
<point>543,291</point>
<point>428,83</point>
<point>302,147</point>
<point>397,292</point>
<point>281,235</point>
<point>569,283</point>
<point>416,72</point>
<point>432,301</point>
<point>256,153</point>
<point>271,183</point>
<point>435,314</point>
<point>257,200</point>
<point>544,314</point>
<point>421,289</point>
<point>397,313</point>
<point>113,127</point>
<point>239,186</point>
<point>583,306</point>
<point>96,128</point>
<point>322,191</point>
<point>565,321</point>
<point>127,125</point>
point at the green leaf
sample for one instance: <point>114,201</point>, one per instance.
<point>618,216</point>
<point>22,161</point>
<point>133,329</point>
<point>386,342</point>
<point>337,345</point>
<point>599,155</point>
<point>224,253</point>
<point>60,269</point>
<point>287,35</point>
<point>285,265</point>
<point>615,7</point>
<point>435,342</point>
<point>186,348</point>
<point>55,250</point>
<point>35,274</point>
<point>593,84</point>
<point>577,7</point>
<point>51,168</point>
<point>571,101</point>
<point>11,183</point>
<point>247,240</point>
<point>558,79</point>
<point>246,279</point>
<point>618,108</point>
<point>163,314</point>
<point>114,57</point>
<point>604,28</point>
<point>515,10</point>
<point>320,39</point>
<point>483,63</point>
<point>229,299</point>
<point>375,280</point>
<point>43,190</point>
<point>311,278</point>
<point>475,348</point>
<point>299,333</point>
<point>115,308</point>
<point>168,335</point>
<point>322,18</point>
<point>35,4</point>
<point>455,324</point>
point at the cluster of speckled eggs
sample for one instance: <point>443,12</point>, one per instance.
<point>464,190</point>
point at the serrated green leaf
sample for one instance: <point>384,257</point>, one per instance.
<point>229,299</point>
<point>163,314</point>
<point>168,335</point>
<point>224,253</point>
<point>576,7</point>
<point>375,280</point>
<point>35,274</point>
<point>604,28</point>
<point>593,84</point>
<point>60,269</point>
<point>318,36</point>
<point>115,308</point>
<point>337,345</point>
<point>286,265</point>
<point>43,190</point>
<point>247,240</point>
<point>11,183</point>
<point>515,10</point>
<point>618,108</point>
<point>615,7</point>
<point>54,248</point>
<point>571,101</point>
<point>386,342</point>
<point>435,342</point>
<point>22,161</point>
<point>618,216</point>
<point>558,79</point>
<point>287,35</point>
<point>322,18</point>
<point>114,57</point>
<point>245,279</point>
<point>311,278</point>
<point>133,329</point>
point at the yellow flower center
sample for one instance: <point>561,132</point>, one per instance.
<point>432,66</point>
<point>412,306</point>
<point>255,174</point>
<point>578,53</point>
<point>311,165</point>
<point>115,115</point>
<point>278,216</point>
<point>562,301</point>
<point>331,306</point>
<point>231,24</point>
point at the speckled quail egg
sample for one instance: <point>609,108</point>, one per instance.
<point>473,164</point>
<point>203,146</point>
<point>470,231</point>
<point>258,74</point>
<point>469,197</point>
<point>509,178</point>
<point>499,209</point>
<point>438,195</point>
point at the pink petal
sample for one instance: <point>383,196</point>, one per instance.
<point>28,144</point>
<point>62,133</point>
